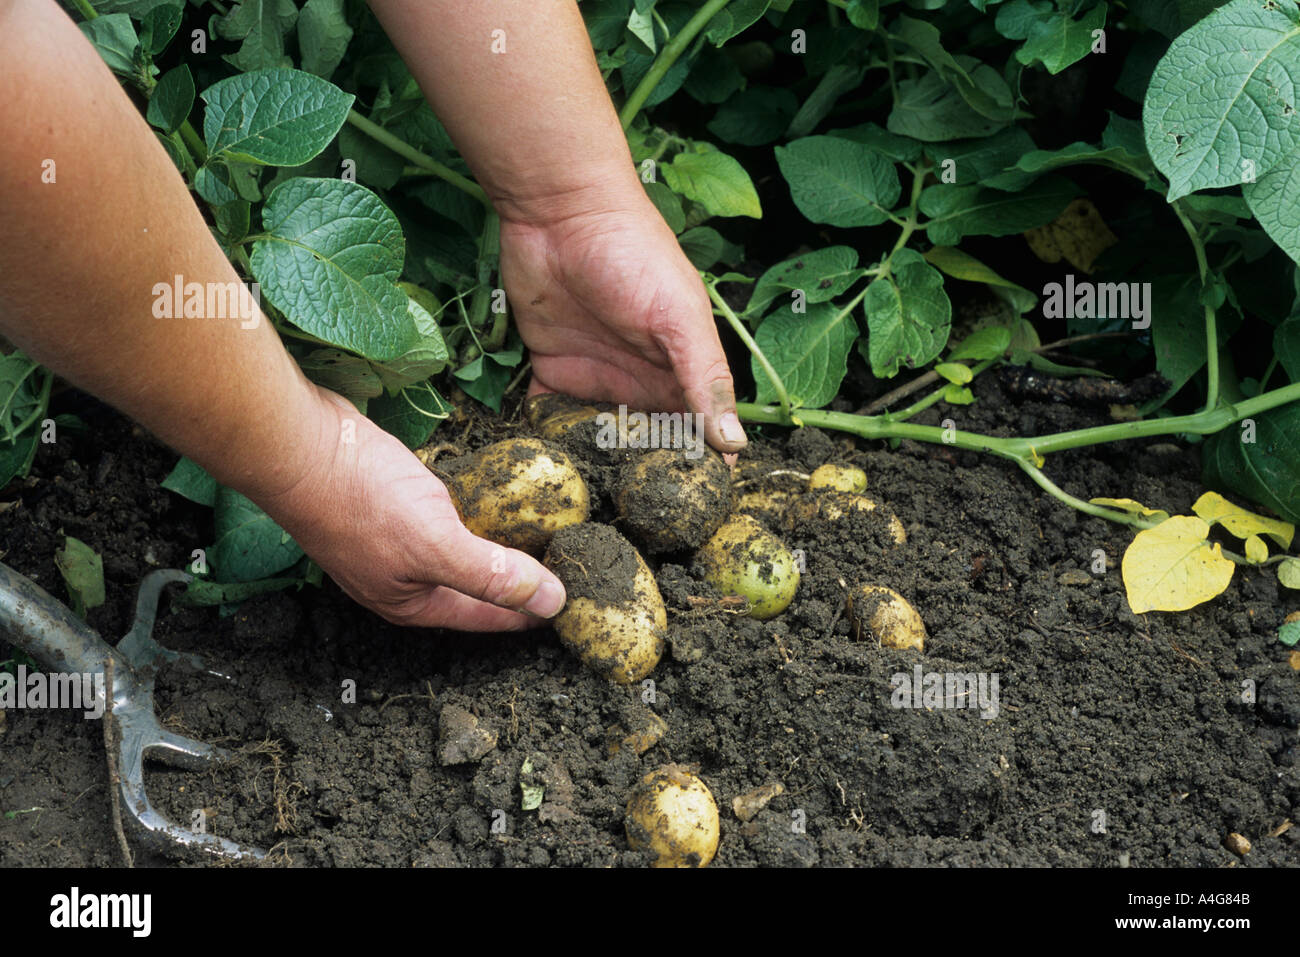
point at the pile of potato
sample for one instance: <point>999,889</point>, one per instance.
<point>528,493</point>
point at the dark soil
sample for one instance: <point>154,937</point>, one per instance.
<point>1119,739</point>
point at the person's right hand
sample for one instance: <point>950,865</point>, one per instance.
<point>383,527</point>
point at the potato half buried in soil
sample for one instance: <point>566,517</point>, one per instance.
<point>672,815</point>
<point>519,493</point>
<point>744,558</point>
<point>840,478</point>
<point>835,507</point>
<point>669,501</point>
<point>555,416</point>
<point>885,614</point>
<point>614,619</point>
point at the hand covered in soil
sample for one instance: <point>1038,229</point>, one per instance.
<point>383,527</point>
<point>610,308</point>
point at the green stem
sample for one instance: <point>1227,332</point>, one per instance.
<point>86,9</point>
<point>1110,514</point>
<point>414,156</point>
<point>937,395</point>
<point>783,397</point>
<point>194,142</point>
<point>669,55</point>
<point>1211,320</point>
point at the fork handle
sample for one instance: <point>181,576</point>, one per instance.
<point>46,629</point>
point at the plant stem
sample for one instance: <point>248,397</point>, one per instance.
<point>414,156</point>
<point>86,9</point>
<point>1211,322</point>
<point>194,142</point>
<point>783,397</point>
<point>937,395</point>
<point>669,55</point>
<point>1054,490</point>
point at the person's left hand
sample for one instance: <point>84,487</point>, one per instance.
<point>610,308</point>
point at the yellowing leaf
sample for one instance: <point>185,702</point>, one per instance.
<point>1256,550</point>
<point>1213,507</point>
<point>1288,573</point>
<point>1132,507</point>
<point>1172,567</point>
<point>1078,235</point>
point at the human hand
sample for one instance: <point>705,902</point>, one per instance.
<point>610,308</point>
<point>383,527</point>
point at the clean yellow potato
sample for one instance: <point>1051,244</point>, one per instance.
<point>519,493</point>
<point>669,501</point>
<point>615,619</point>
<point>833,506</point>
<point>744,558</point>
<point>840,478</point>
<point>672,815</point>
<point>880,612</point>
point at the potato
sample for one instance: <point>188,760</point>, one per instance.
<point>833,506</point>
<point>840,478</point>
<point>672,815</point>
<point>744,558</point>
<point>670,502</point>
<point>519,493</point>
<point>615,619</point>
<point>885,614</point>
<point>769,507</point>
<point>558,417</point>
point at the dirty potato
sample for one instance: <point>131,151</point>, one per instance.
<point>670,500</point>
<point>744,558</point>
<point>672,815</point>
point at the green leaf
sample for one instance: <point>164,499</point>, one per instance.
<point>931,110</point>
<point>642,26</point>
<point>863,14</point>
<point>83,573</point>
<point>984,161</point>
<point>606,20</point>
<point>202,593</point>
<point>172,99</point>
<point>955,394</point>
<point>1266,470</point>
<point>158,26</point>
<point>114,39</point>
<point>809,351</point>
<point>822,276</point>
<point>330,260</point>
<point>668,204</point>
<point>273,117</point>
<point>714,78</point>
<point>837,81</point>
<point>924,38</point>
<point>412,415</point>
<point>987,343</point>
<point>261,25</point>
<point>900,149</point>
<point>189,480</point>
<point>908,315</point>
<point>1289,633</point>
<point>755,117</point>
<point>487,377</point>
<point>1079,154</point>
<point>21,399</point>
<point>376,165</point>
<point>249,545</point>
<point>1288,573</point>
<point>839,182</point>
<point>704,247</point>
<point>956,372</point>
<point>1221,103</point>
<point>1274,199</point>
<point>733,18</point>
<point>1051,37</point>
<point>715,181</point>
<point>323,36</point>
<point>961,265</point>
<point>426,358</point>
<point>1286,344</point>
<point>957,211</point>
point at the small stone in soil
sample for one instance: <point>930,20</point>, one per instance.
<point>461,738</point>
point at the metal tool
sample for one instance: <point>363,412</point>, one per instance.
<point>44,628</point>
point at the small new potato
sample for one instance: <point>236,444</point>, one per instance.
<point>672,815</point>
<point>744,558</point>
<point>840,478</point>
<point>669,500</point>
<point>519,493</point>
<point>768,506</point>
<point>830,505</point>
<point>884,613</point>
<point>615,619</point>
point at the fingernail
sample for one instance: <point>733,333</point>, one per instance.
<point>732,432</point>
<point>546,601</point>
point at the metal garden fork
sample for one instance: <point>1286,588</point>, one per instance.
<point>44,628</point>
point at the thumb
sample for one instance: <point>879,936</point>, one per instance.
<point>498,575</point>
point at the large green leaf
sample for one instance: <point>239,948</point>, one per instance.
<point>932,110</point>
<point>1274,199</point>
<point>715,181</point>
<point>1051,37</point>
<point>323,36</point>
<point>172,99</point>
<point>1223,98</point>
<point>1266,470</point>
<point>908,315</point>
<point>755,117</point>
<point>984,161</point>
<point>957,211</point>
<point>809,351</point>
<point>820,275</point>
<point>839,182</point>
<point>273,117</point>
<point>249,544</point>
<point>329,260</point>
<point>990,100</point>
<point>190,480</point>
<point>734,18</point>
<point>114,39</point>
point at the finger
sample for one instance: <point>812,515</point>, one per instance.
<point>701,367</point>
<point>444,608</point>
<point>496,575</point>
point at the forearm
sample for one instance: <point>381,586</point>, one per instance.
<point>534,121</point>
<point>84,253</point>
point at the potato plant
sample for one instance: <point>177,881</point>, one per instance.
<point>840,173</point>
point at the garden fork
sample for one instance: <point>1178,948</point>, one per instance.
<point>50,633</point>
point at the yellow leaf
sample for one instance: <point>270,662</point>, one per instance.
<point>1172,567</point>
<point>1132,507</point>
<point>1213,507</point>
<point>1256,550</point>
<point>1079,235</point>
